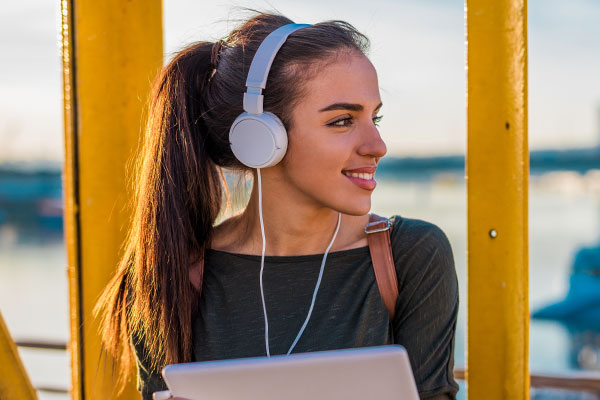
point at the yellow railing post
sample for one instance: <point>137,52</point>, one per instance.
<point>111,52</point>
<point>14,381</point>
<point>497,171</point>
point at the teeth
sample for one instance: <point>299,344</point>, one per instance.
<point>364,176</point>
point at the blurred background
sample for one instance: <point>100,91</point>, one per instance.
<point>418,49</point>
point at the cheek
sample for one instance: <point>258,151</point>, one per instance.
<point>319,159</point>
<point>314,169</point>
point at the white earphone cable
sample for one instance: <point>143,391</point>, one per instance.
<point>262,266</point>
<point>262,262</point>
<point>312,304</point>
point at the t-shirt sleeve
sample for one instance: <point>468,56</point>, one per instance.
<point>427,305</point>
<point>148,380</point>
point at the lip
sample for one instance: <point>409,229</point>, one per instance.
<point>365,170</point>
<point>366,184</point>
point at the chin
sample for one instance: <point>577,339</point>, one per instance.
<point>355,208</point>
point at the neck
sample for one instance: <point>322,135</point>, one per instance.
<point>292,227</point>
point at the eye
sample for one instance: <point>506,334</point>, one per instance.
<point>342,122</point>
<point>377,119</point>
<point>347,121</point>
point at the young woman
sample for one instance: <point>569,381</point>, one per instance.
<point>325,91</point>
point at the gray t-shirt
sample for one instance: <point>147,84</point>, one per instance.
<point>348,311</point>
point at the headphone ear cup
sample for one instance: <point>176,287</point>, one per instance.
<point>258,141</point>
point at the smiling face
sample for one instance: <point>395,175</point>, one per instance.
<point>334,144</point>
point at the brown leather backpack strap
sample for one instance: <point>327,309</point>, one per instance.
<point>380,247</point>
<point>196,272</point>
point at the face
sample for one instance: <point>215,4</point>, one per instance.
<point>334,144</point>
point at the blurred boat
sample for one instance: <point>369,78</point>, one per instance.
<point>581,305</point>
<point>579,311</point>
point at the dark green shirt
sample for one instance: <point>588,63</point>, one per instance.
<point>348,311</point>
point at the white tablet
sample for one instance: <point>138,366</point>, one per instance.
<point>381,372</point>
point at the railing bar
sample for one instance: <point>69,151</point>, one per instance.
<point>50,389</point>
<point>577,381</point>
<point>41,345</point>
<point>583,384</point>
<point>565,382</point>
<point>582,381</point>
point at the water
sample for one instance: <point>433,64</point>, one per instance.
<point>564,215</point>
<point>34,304</point>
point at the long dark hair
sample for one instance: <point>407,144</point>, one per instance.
<point>179,181</point>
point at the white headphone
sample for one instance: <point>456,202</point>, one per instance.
<point>258,139</point>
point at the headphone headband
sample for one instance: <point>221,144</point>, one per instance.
<point>258,139</point>
<point>261,64</point>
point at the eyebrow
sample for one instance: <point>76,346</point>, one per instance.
<point>346,106</point>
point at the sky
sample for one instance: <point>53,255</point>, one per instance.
<point>417,47</point>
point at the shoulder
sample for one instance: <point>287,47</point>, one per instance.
<point>421,249</point>
<point>225,236</point>
<point>417,234</point>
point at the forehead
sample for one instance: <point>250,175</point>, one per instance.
<point>349,78</point>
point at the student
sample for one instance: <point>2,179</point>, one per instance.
<point>187,290</point>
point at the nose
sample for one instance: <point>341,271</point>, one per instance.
<point>371,143</point>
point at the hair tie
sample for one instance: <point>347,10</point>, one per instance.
<point>215,53</point>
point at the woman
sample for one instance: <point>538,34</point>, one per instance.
<point>325,91</point>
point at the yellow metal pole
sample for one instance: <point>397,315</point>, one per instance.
<point>14,381</point>
<point>111,51</point>
<point>497,171</point>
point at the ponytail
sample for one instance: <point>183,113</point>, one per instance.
<point>178,198</point>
